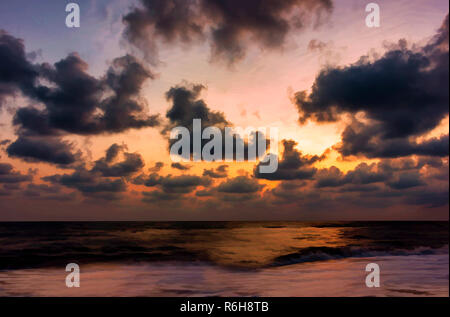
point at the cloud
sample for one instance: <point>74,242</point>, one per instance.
<point>403,94</point>
<point>66,99</point>
<point>170,188</point>
<point>82,104</point>
<point>12,186</point>
<point>74,101</point>
<point>431,199</point>
<point>229,26</point>
<point>156,196</point>
<point>292,165</point>
<point>53,189</point>
<point>365,174</point>
<point>157,167</point>
<point>182,184</point>
<point>204,193</point>
<point>363,139</point>
<point>330,177</point>
<point>317,45</point>
<point>108,176</point>
<point>113,151</point>
<point>132,163</point>
<point>9,176</point>
<point>288,190</point>
<point>187,106</point>
<point>87,182</point>
<point>390,182</point>
<point>240,185</point>
<point>16,73</point>
<point>46,192</point>
<point>180,166</point>
<point>219,172</point>
<point>43,149</point>
<point>406,180</point>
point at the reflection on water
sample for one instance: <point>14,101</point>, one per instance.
<point>224,258</point>
<point>400,276</point>
<point>245,246</point>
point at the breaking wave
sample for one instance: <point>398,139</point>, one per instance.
<point>314,254</point>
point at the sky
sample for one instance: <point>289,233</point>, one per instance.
<point>362,113</point>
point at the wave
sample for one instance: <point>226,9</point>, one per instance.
<point>314,254</point>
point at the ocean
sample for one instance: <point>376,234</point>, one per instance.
<point>224,258</point>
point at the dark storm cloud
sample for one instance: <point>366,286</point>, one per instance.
<point>231,26</point>
<point>404,94</point>
<point>398,90</point>
<point>362,139</point>
<point>441,174</point>
<point>332,191</point>
<point>187,106</point>
<point>396,174</point>
<point>78,104</point>
<point>219,172</point>
<point>180,166</point>
<point>288,190</point>
<point>182,184</point>
<point>123,110</point>
<point>363,174</point>
<point>406,180</point>
<point>204,193</point>
<point>87,182</point>
<point>330,177</point>
<point>405,164</point>
<point>350,188</point>
<point>237,198</point>
<point>107,178</point>
<point>9,176</point>
<point>431,199</point>
<point>113,151</point>
<point>131,163</point>
<point>292,165</point>
<point>48,196</point>
<point>66,99</point>
<point>157,167</point>
<point>169,188</point>
<point>43,149</point>
<point>16,73</point>
<point>11,186</point>
<point>366,174</point>
<point>42,191</point>
<point>158,196</point>
<point>115,186</point>
<point>53,189</point>
<point>240,185</point>
<point>5,168</point>
<point>390,182</point>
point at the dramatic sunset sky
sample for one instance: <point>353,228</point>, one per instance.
<point>362,113</point>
